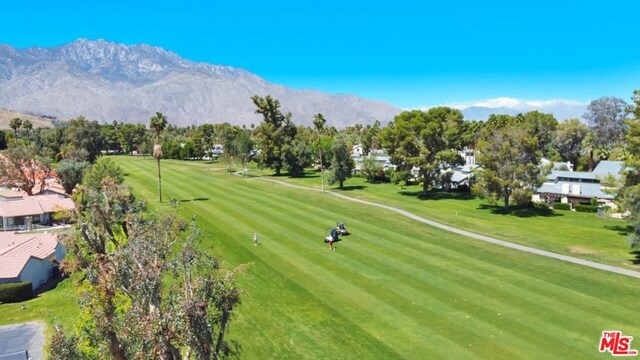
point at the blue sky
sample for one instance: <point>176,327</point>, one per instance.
<point>408,53</point>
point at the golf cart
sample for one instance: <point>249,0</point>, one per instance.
<point>342,228</point>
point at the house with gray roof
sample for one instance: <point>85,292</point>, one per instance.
<point>579,187</point>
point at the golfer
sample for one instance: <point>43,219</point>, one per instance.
<point>255,238</point>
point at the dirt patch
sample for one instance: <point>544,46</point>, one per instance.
<point>582,250</point>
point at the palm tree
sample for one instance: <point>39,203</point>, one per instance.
<point>15,124</point>
<point>588,146</point>
<point>157,123</point>
<point>26,125</point>
<point>318,123</point>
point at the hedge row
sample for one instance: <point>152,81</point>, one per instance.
<point>587,208</point>
<point>561,206</point>
<point>15,292</point>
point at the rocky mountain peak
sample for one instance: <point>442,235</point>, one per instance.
<point>105,80</point>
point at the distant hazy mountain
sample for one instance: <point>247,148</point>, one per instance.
<point>105,81</point>
<point>561,109</point>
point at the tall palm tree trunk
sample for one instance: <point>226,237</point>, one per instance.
<point>159,181</point>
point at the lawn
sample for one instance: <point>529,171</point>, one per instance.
<point>395,288</point>
<point>582,235</point>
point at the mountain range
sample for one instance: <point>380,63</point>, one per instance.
<point>107,81</point>
<point>561,109</point>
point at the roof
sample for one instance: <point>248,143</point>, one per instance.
<point>587,190</point>
<point>458,177</point>
<point>606,167</point>
<point>20,208</point>
<point>35,205</point>
<point>10,195</point>
<point>54,203</point>
<point>556,165</point>
<point>17,249</point>
<point>468,167</point>
<point>571,174</point>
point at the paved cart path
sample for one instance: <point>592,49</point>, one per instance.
<point>16,339</point>
<point>549,254</point>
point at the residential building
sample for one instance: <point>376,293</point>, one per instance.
<point>21,212</point>
<point>29,257</point>
<point>380,156</point>
<point>579,187</point>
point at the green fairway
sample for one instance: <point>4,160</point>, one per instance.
<point>582,235</point>
<point>394,289</point>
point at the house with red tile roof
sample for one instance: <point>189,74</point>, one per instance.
<point>29,257</point>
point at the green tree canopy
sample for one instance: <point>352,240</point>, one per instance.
<point>148,292</point>
<point>71,173</point>
<point>569,138</point>
<point>157,123</point>
<point>427,140</point>
<point>274,134</point>
<point>15,124</point>
<point>509,158</point>
<point>341,164</point>
<point>103,169</point>
<point>84,134</point>
<point>630,193</point>
<point>606,119</point>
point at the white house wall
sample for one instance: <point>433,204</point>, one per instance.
<point>59,253</point>
<point>37,271</point>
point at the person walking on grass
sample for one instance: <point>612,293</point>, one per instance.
<point>255,238</point>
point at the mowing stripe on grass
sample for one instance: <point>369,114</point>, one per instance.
<point>592,264</point>
<point>393,289</point>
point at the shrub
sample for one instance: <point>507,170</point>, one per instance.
<point>541,205</point>
<point>400,175</point>
<point>15,292</point>
<point>463,188</point>
<point>561,206</point>
<point>521,197</point>
<point>587,208</point>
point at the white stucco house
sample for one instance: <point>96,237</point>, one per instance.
<point>29,257</point>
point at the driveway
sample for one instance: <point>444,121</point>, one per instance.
<point>18,338</point>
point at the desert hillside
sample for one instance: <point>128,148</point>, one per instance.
<point>37,121</point>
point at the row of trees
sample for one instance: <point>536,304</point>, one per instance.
<point>427,140</point>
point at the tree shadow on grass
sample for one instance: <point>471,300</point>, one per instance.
<point>352,187</point>
<point>196,199</point>
<point>438,195</point>
<point>622,230</point>
<point>636,257</point>
<point>307,174</point>
<point>518,211</point>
